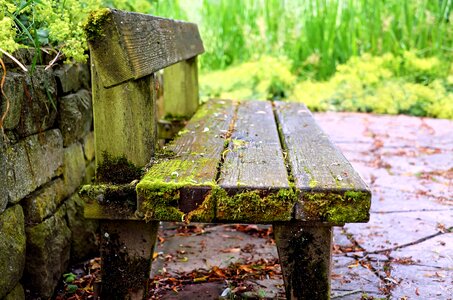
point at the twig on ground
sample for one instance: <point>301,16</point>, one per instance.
<point>346,294</point>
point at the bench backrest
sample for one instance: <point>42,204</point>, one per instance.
<point>126,49</point>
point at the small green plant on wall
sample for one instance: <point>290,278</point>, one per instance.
<point>53,25</point>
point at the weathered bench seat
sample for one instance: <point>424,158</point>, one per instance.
<point>249,161</point>
<point>253,162</point>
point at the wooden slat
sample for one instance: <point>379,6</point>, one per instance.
<point>254,170</point>
<point>331,190</point>
<point>182,183</point>
<point>132,45</point>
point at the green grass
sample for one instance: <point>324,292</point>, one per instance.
<point>316,35</point>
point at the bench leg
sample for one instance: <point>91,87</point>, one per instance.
<point>305,259</point>
<point>126,253</point>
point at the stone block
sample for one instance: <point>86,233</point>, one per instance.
<point>16,294</point>
<point>14,91</point>
<point>31,163</point>
<point>83,242</point>
<point>75,116</point>
<point>84,76</point>
<point>43,202</point>
<point>90,172</point>
<point>88,146</point>
<point>39,109</point>
<point>73,168</point>
<point>3,180</point>
<point>48,249</point>
<point>67,77</point>
<point>12,248</point>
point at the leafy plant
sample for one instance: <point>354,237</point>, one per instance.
<point>51,24</point>
<point>384,84</point>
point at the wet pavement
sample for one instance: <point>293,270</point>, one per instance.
<point>405,251</point>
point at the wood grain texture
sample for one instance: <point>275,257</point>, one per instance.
<point>132,45</point>
<point>124,119</point>
<point>254,174</point>
<point>254,159</point>
<point>305,256</point>
<point>127,249</point>
<point>324,176</point>
<point>181,98</point>
<point>188,175</point>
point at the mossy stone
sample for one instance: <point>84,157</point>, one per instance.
<point>3,179</point>
<point>74,167</point>
<point>14,91</point>
<point>44,202</point>
<point>75,116</point>
<point>16,294</point>
<point>88,146</point>
<point>39,110</point>
<point>67,78</point>
<point>83,241</point>
<point>12,248</point>
<point>31,163</point>
<point>48,249</point>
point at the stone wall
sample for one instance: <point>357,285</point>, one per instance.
<point>46,153</point>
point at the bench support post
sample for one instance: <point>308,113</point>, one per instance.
<point>124,119</point>
<point>180,97</point>
<point>305,258</point>
<point>181,89</point>
<point>126,253</point>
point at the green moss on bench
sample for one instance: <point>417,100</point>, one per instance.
<point>159,192</point>
<point>116,170</point>
<point>337,208</point>
<point>95,22</point>
<point>254,207</point>
<point>109,201</point>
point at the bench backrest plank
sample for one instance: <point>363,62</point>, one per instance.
<point>126,49</point>
<point>132,45</point>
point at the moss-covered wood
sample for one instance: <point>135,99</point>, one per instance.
<point>305,256</point>
<point>181,98</point>
<point>254,175</point>
<point>109,201</point>
<point>330,189</point>
<point>132,45</point>
<point>124,119</point>
<point>178,185</point>
<point>259,163</point>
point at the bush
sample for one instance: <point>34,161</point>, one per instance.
<point>266,78</point>
<point>384,84</point>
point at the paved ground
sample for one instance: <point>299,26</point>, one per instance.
<point>404,252</point>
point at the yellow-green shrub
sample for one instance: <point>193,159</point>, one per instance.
<point>266,78</point>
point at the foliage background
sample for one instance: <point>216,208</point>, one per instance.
<point>389,56</point>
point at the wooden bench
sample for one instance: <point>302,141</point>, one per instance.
<point>235,161</point>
